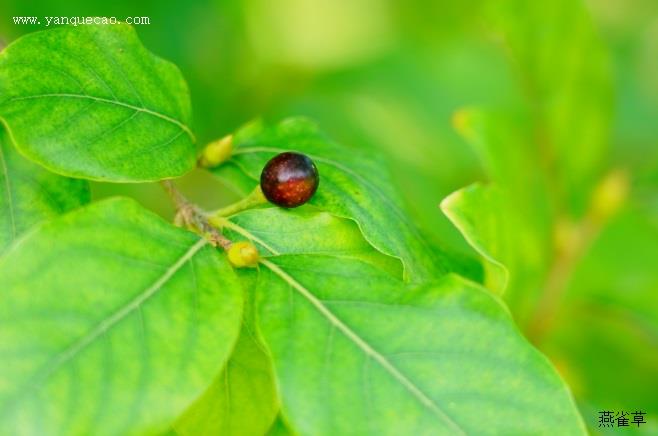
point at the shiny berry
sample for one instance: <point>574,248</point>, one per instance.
<point>289,179</point>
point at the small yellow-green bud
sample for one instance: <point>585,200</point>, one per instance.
<point>463,120</point>
<point>243,254</point>
<point>216,152</point>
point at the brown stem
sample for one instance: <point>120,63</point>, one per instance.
<point>558,278</point>
<point>572,241</point>
<point>190,215</point>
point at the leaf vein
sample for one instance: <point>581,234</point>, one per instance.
<point>100,329</point>
<point>365,347</point>
<point>156,114</point>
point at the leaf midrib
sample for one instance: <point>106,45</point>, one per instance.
<point>156,114</point>
<point>247,234</point>
<point>382,196</point>
<point>350,334</point>
<point>364,346</point>
<point>106,324</point>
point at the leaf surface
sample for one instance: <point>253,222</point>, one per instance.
<point>92,102</point>
<point>241,400</point>
<point>112,322</point>
<point>358,351</point>
<point>28,194</point>
<point>305,231</point>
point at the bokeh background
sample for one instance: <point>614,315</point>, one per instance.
<point>390,75</point>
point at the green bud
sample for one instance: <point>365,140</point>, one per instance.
<point>216,152</point>
<point>243,254</point>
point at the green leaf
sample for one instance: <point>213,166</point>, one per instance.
<point>112,322</point>
<point>435,355</point>
<point>469,209</point>
<point>241,400</point>
<point>352,185</point>
<point>306,231</point>
<point>357,352</point>
<point>28,194</point>
<point>92,102</point>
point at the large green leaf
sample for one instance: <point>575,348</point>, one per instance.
<point>112,322</point>
<point>356,352</point>
<point>28,194</point>
<point>352,185</point>
<point>92,102</point>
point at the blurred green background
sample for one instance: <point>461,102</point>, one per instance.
<point>575,86</point>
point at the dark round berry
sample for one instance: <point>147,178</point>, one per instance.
<point>289,179</point>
